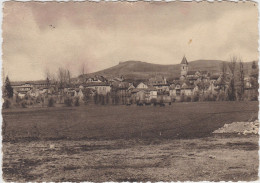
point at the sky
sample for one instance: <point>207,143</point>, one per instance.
<point>40,37</point>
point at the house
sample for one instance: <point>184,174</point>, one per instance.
<point>214,78</point>
<point>131,86</point>
<point>191,74</point>
<point>40,83</point>
<point>151,93</point>
<point>99,87</point>
<point>142,86</point>
<point>97,79</point>
<point>118,79</point>
<point>160,83</point>
<point>187,89</point>
<point>21,87</point>
<point>121,90</point>
<point>157,80</point>
<point>172,91</point>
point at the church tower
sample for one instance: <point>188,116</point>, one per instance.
<point>184,67</point>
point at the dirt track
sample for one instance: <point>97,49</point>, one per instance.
<point>213,158</point>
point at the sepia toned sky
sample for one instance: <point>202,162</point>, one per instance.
<point>40,36</point>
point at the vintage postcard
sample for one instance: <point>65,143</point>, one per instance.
<point>130,91</point>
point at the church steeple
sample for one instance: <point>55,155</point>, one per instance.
<point>184,60</point>
<point>184,66</point>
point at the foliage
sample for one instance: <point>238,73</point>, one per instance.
<point>8,90</point>
<point>96,98</point>
<point>212,97</point>
<point>231,89</point>
<point>23,104</point>
<point>76,102</point>
<point>107,98</point>
<point>154,101</point>
<point>182,98</point>
<point>68,102</point>
<point>6,104</point>
<point>195,97</point>
<point>18,99</point>
<point>64,77</point>
<point>221,96</point>
<point>50,102</point>
<point>254,66</point>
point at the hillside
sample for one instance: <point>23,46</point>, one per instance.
<point>142,70</point>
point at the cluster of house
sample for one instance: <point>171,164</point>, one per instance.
<point>187,84</point>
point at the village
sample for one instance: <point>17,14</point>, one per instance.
<point>191,86</point>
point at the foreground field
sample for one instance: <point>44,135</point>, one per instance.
<point>129,143</point>
<point>180,120</point>
<point>213,158</point>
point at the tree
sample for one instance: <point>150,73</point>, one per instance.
<point>254,81</point>
<point>96,98</point>
<point>241,80</point>
<point>254,66</point>
<point>224,71</point>
<point>64,77</point>
<point>203,85</point>
<point>48,82</point>
<point>8,90</point>
<point>232,90</point>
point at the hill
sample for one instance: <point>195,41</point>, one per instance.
<point>142,70</point>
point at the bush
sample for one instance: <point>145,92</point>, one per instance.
<point>212,97</point>
<point>102,99</point>
<point>6,104</point>
<point>18,99</point>
<point>182,99</point>
<point>154,101</point>
<point>221,96</point>
<point>76,103</point>
<point>187,98</point>
<point>68,101</point>
<point>24,104</point>
<point>161,101</point>
<point>195,97</point>
<point>50,102</point>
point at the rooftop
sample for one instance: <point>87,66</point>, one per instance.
<point>184,61</point>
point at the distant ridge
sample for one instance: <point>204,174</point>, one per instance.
<point>136,70</point>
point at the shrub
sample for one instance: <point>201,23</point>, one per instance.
<point>161,101</point>
<point>187,98</point>
<point>154,101</point>
<point>102,99</point>
<point>24,104</point>
<point>212,97</point>
<point>221,96</point>
<point>68,101</point>
<point>182,98</point>
<point>96,98</point>
<point>76,103</point>
<point>6,104</point>
<point>50,102</point>
<point>107,98</point>
<point>18,99</point>
<point>195,97</point>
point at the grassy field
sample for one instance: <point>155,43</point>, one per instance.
<point>180,120</point>
<point>129,143</point>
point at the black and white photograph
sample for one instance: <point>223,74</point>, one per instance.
<point>130,91</point>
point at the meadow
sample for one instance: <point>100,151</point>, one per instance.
<point>179,120</point>
<point>129,143</point>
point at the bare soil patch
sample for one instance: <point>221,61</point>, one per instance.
<point>211,158</point>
